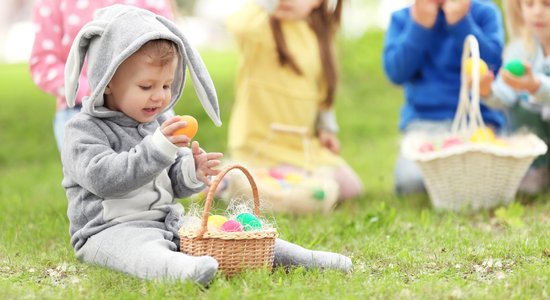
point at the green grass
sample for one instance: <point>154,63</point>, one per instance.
<point>401,248</point>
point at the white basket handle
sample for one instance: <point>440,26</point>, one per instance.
<point>468,114</point>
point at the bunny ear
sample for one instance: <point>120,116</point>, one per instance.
<point>75,59</point>
<point>202,82</point>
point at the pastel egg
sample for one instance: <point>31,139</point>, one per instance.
<point>482,135</point>
<point>499,143</point>
<point>516,67</point>
<point>231,226</point>
<point>216,221</point>
<point>276,174</point>
<point>249,221</point>
<point>451,141</point>
<point>293,178</point>
<point>426,147</point>
<point>469,65</point>
<point>318,194</point>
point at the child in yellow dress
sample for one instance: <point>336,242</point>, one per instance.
<point>288,77</point>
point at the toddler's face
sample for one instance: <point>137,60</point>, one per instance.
<point>141,87</point>
<point>536,14</point>
<point>294,10</point>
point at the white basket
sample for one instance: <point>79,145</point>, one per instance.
<point>472,175</point>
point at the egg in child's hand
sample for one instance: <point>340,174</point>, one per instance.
<point>469,64</point>
<point>232,226</point>
<point>516,67</point>
<point>190,129</point>
<point>249,221</point>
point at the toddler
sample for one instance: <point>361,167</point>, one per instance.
<point>123,166</point>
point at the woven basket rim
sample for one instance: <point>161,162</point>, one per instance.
<point>242,235</point>
<point>538,147</point>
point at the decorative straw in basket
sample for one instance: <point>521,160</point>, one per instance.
<point>472,175</point>
<point>234,251</point>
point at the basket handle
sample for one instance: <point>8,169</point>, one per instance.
<point>468,114</point>
<point>212,192</point>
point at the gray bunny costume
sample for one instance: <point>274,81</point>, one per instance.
<point>121,177</point>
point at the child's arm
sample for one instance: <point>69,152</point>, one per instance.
<point>250,24</point>
<point>485,25</point>
<point>89,159</point>
<point>47,59</point>
<point>326,128</point>
<point>405,45</point>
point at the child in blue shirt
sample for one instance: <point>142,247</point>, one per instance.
<point>422,52</point>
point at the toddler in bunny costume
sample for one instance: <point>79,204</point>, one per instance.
<point>122,165</point>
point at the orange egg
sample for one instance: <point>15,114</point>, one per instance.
<point>191,129</point>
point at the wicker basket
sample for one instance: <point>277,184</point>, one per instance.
<point>234,251</point>
<point>472,175</point>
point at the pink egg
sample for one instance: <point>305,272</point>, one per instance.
<point>232,226</point>
<point>451,141</point>
<point>426,147</point>
<point>276,174</point>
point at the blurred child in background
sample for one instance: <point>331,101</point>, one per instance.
<point>288,75</point>
<point>526,98</point>
<point>422,52</point>
<point>57,22</point>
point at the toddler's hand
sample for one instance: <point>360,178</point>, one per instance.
<point>424,12</point>
<point>456,10</point>
<point>170,126</point>
<point>528,82</point>
<point>329,141</point>
<point>205,162</point>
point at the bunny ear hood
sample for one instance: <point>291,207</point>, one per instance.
<point>117,32</point>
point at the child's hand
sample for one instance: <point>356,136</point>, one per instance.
<point>424,12</point>
<point>329,141</point>
<point>528,82</point>
<point>170,126</point>
<point>205,162</point>
<point>485,83</point>
<point>455,10</point>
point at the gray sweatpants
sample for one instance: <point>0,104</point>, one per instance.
<point>148,250</point>
<point>145,249</point>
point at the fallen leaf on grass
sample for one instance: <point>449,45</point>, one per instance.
<point>547,252</point>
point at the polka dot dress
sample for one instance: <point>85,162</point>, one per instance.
<point>56,24</point>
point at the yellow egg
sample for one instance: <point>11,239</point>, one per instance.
<point>293,178</point>
<point>469,63</point>
<point>482,135</point>
<point>499,143</point>
<point>216,221</point>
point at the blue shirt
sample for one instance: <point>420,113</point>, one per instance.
<point>427,62</point>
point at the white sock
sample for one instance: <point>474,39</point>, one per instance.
<point>289,254</point>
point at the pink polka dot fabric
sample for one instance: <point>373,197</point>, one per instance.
<point>56,24</point>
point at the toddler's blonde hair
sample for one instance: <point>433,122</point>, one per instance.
<point>515,25</point>
<point>161,51</point>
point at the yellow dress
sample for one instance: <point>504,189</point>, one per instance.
<point>267,93</point>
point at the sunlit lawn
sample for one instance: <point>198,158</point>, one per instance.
<point>401,248</point>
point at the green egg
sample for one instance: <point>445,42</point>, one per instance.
<point>249,222</point>
<point>516,67</point>
<point>318,194</point>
